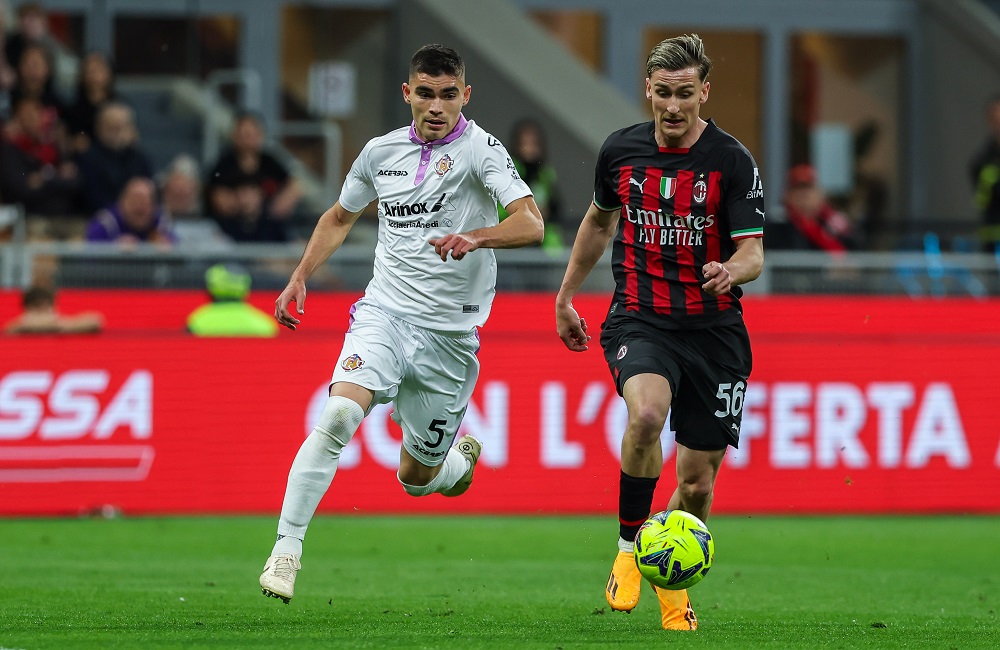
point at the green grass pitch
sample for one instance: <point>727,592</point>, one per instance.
<point>493,582</point>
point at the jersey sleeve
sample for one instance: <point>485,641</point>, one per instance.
<point>744,198</point>
<point>359,188</point>
<point>606,195</point>
<point>498,173</point>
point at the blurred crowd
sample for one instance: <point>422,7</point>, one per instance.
<point>75,164</point>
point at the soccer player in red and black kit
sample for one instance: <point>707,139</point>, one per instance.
<point>683,201</point>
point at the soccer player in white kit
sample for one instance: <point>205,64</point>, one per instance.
<point>413,336</point>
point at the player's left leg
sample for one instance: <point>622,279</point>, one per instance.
<point>451,478</point>
<point>696,474</point>
<point>430,406</point>
<point>706,417</point>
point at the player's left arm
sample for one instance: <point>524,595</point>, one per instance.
<point>745,265</point>
<point>496,172</point>
<point>523,227</point>
<point>744,204</point>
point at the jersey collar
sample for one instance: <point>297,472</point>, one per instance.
<point>427,147</point>
<point>681,150</point>
<point>451,137</point>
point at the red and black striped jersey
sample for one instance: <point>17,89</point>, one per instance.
<point>680,209</point>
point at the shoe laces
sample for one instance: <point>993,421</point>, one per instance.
<point>285,567</point>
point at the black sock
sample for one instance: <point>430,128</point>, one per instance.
<point>635,499</point>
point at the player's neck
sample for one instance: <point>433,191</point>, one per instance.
<point>686,141</point>
<point>458,130</point>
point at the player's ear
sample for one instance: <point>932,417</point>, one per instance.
<point>467,95</point>
<point>649,89</point>
<point>406,92</point>
<point>704,92</point>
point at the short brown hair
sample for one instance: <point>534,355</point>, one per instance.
<point>436,60</point>
<point>679,53</point>
<point>38,296</point>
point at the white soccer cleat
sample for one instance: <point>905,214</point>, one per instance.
<point>470,448</point>
<point>278,579</point>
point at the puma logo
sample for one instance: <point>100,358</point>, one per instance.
<point>759,211</point>
<point>632,181</point>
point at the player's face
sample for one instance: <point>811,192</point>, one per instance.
<point>677,96</point>
<point>436,103</point>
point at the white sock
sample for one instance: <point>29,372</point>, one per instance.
<point>288,544</point>
<point>625,546</point>
<point>314,466</point>
<point>454,467</point>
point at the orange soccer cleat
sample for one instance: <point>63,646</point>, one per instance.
<point>624,584</point>
<point>676,612</point>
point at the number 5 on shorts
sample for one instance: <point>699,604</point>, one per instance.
<point>732,399</point>
<point>435,427</point>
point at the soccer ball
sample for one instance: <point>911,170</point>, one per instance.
<point>674,549</point>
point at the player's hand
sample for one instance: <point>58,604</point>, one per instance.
<point>571,328</point>
<point>459,244</point>
<point>718,279</point>
<point>294,292</point>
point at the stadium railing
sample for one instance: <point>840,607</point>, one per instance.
<point>929,273</point>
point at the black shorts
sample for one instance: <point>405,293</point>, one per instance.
<point>707,370</point>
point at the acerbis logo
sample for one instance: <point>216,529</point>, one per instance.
<point>392,172</point>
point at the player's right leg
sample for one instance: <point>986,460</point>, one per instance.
<point>647,397</point>
<point>310,476</point>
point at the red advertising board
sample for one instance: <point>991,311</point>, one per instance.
<point>854,405</point>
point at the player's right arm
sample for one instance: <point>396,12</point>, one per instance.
<point>596,230</point>
<point>328,236</point>
<point>331,230</point>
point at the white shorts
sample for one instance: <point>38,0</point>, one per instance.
<point>427,374</point>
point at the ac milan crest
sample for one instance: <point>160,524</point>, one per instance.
<point>700,192</point>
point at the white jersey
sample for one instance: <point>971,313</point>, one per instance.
<point>425,191</point>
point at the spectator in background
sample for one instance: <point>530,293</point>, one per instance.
<point>529,154</point>
<point>180,188</point>
<point>984,170</point>
<point>229,313</point>
<point>32,29</point>
<point>32,169</point>
<point>249,192</point>
<point>817,225</point>
<point>41,317</point>
<point>251,222</point>
<point>34,81</point>
<point>135,218</point>
<point>113,158</point>
<point>95,87</point>
<point>8,75</point>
